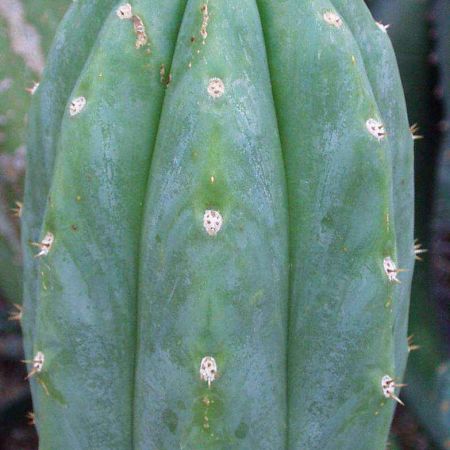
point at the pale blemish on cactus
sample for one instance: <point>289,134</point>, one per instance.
<point>45,245</point>
<point>212,221</point>
<point>77,105</point>
<point>208,370</point>
<point>388,386</point>
<point>139,29</point>
<point>376,128</point>
<point>205,20</point>
<point>216,87</point>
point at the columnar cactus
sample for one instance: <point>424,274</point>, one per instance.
<point>410,28</point>
<point>424,26</point>
<point>219,196</point>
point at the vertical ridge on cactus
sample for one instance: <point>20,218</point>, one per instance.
<point>424,26</point>
<point>224,182</point>
<point>345,48</point>
<point>379,59</point>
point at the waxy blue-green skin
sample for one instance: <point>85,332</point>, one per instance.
<point>410,34</point>
<point>343,218</point>
<point>290,297</point>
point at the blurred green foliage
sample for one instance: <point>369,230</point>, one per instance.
<point>26,32</point>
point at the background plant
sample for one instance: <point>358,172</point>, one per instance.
<point>26,31</point>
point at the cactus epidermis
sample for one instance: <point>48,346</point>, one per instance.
<point>223,202</point>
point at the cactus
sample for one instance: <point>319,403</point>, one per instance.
<point>410,30</point>
<point>410,33</point>
<point>219,195</point>
<point>21,63</point>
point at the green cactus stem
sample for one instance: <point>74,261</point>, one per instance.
<point>220,198</point>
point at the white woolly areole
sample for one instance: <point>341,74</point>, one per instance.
<point>212,221</point>
<point>390,269</point>
<point>205,20</point>
<point>388,386</point>
<point>376,128</point>
<point>332,18</point>
<point>46,244</point>
<point>125,12</point>
<point>77,105</point>
<point>208,369</point>
<point>38,362</point>
<point>216,88</point>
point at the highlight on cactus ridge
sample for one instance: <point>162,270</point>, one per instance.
<point>218,228</point>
